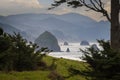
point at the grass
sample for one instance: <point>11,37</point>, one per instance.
<point>26,75</point>
<point>62,69</point>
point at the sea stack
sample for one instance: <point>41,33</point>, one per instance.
<point>66,43</point>
<point>68,50</point>
<point>84,43</point>
<point>48,40</point>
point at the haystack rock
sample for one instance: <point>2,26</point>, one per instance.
<point>84,43</point>
<point>48,40</point>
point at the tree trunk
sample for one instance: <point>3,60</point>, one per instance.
<point>115,26</point>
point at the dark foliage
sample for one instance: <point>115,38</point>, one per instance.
<point>18,54</point>
<point>105,63</point>
<point>1,31</point>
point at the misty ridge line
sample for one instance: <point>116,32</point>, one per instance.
<point>70,27</point>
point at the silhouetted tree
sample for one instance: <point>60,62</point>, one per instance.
<point>98,6</point>
<point>115,25</point>
<point>104,63</point>
<point>18,54</point>
<point>6,56</point>
<point>1,31</point>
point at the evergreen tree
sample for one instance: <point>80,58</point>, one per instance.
<point>104,64</point>
<point>1,31</point>
<point>6,58</point>
<point>18,54</point>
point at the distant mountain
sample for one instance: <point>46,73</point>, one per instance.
<point>78,19</point>
<point>9,29</point>
<point>68,27</point>
<point>48,40</point>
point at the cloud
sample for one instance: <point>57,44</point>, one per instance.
<point>26,3</point>
<point>60,11</point>
<point>9,7</point>
<point>107,6</point>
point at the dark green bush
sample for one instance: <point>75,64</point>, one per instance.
<point>1,31</point>
<point>104,64</point>
<point>18,54</point>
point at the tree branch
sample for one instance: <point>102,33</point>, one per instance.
<point>95,5</point>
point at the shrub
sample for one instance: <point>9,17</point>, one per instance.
<point>18,54</point>
<point>104,64</point>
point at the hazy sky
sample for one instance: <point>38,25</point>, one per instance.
<point>12,7</point>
